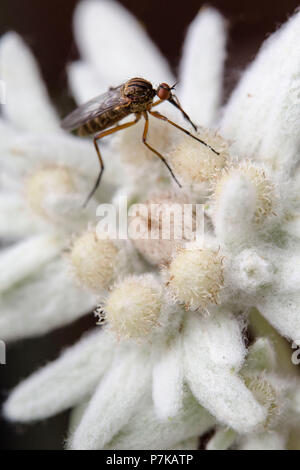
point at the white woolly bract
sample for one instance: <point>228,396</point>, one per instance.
<point>84,81</point>
<point>213,353</point>
<point>234,211</point>
<point>13,207</point>
<point>26,258</point>
<point>167,391</point>
<point>64,382</point>
<point>262,116</point>
<point>282,311</point>
<point>46,300</point>
<point>94,22</point>
<point>201,68</point>
<point>260,357</point>
<point>222,439</point>
<point>146,431</point>
<point>27,105</point>
<point>262,441</point>
<point>114,401</point>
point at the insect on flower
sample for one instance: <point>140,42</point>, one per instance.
<point>132,97</point>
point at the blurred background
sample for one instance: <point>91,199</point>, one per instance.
<point>47,28</point>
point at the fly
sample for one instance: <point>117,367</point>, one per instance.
<point>97,116</point>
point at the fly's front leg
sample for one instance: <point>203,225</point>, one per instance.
<point>100,136</point>
<point>164,118</point>
<point>145,133</point>
<point>156,103</point>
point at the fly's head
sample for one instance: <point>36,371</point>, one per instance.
<point>164,91</point>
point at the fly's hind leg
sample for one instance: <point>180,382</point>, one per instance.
<point>145,133</point>
<point>100,136</point>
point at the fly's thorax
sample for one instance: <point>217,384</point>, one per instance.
<point>140,93</point>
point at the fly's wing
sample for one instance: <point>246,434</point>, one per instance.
<point>94,108</point>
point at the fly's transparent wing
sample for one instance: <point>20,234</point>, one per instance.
<point>94,108</point>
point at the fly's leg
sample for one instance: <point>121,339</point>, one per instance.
<point>156,103</point>
<point>145,133</point>
<point>164,118</point>
<point>100,136</point>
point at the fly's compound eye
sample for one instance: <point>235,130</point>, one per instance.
<point>163,91</point>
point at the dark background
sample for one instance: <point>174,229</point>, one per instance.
<point>47,28</point>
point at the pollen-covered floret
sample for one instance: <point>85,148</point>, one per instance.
<point>196,164</point>
<point>133,307</point>
<point>195,277</point>
<point>94,261</point>
<point>267,395</point>
<point>47,184</point>
<point>265,191</point>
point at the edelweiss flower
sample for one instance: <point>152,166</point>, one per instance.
<point>186,371</point>
<point>45,176</point>
<point>174,348</point>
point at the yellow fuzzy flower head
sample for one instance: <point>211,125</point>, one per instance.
<point>195,277</point>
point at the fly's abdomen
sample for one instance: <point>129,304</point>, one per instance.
<point>91,127</point>
<point>103,121</point>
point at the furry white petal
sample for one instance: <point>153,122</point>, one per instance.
<point>64,382</point>
<point>213,353</point>
<point>113,41</point>
<point>189,444</point>
<point>202,66</point>
<point>28,106</point>
<point>168,381</point>
<point>262,116</point>
<point>48,300</point>
<point>27,257</point>
<point>263,441</point>
<point>222,439</point>
<point>234,211</point>
<point>114,400</point>
<point>261,356</point>
<point>68,151</point>
<point>146,431</point>
<point>65,150</point>
<point>84,82</point>
<point>282,312</point>
<point>15,219</point>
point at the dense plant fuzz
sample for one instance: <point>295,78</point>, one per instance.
<point>192,333</point>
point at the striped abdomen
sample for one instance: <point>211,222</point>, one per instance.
<point>103,121</point>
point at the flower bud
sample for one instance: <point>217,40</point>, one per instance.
<point>195,277</point>
<point>133,307</point>
<point>94,261</point>
<point>266,199</point>
<point>46,185</point>
<point>195,164</point>
<point>265,393</point>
